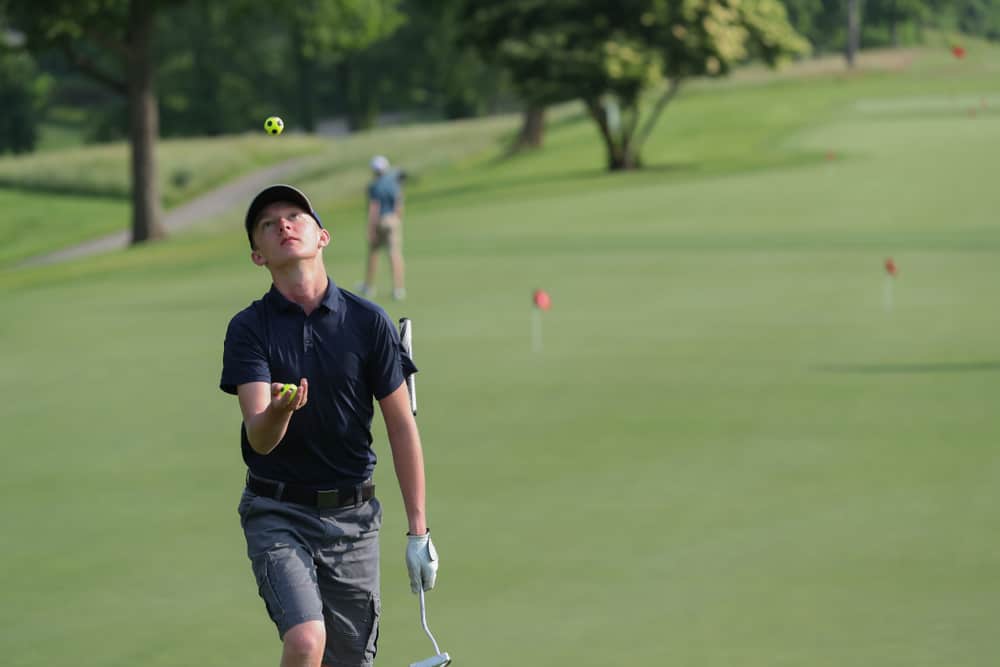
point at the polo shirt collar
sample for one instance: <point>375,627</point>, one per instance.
<point>331,298</point>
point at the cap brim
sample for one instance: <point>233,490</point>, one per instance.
<point>272,194</point>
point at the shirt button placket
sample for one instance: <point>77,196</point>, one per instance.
<point>307,337</point>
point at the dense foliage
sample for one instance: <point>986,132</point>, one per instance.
<point>24,92</point>
<point>221,66</point>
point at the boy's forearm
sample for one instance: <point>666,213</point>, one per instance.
<point>266,429</point>
<point>408,461</point>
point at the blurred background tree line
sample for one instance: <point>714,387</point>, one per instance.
<point>223,66</point>
<point>139,70</point>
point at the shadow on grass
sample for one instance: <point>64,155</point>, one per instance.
<point>553,122</point>
<point>554,180</point>
<point>944,367</point>
<point>597,176</point>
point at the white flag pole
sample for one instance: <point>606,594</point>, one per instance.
<point>536,329</point>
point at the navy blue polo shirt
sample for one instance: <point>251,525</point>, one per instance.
<point>350,352</point>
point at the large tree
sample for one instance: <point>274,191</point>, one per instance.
<point>259,62</point>
<point>218,85</point>
<point>515,35</point>
<point>443,75</point>
<point>111,41</point>
<point>334,32</point>
<point>889,15</point>
<point>24,92</point>
<point>610,53</point>
<point>978,17</point>
<point>314,47</point>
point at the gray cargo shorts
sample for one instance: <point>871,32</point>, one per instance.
<point>318,565</point>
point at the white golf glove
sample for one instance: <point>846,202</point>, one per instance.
<point>421,561</point>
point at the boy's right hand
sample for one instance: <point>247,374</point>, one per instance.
<point>289,401</point>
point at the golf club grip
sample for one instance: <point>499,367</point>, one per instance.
<point>406,338</point>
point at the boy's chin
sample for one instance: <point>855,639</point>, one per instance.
<point>290,257</point>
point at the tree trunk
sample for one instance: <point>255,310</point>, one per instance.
<point>532,131</point>
<point>143,125</point>
<point>619,159</point>
<point>673,86</point>
<point>853,31</point>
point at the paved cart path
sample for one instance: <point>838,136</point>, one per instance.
<point>205,207</point>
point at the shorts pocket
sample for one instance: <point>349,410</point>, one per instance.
<point>263,572</point>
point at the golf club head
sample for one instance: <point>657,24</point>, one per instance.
<point>439,660</point>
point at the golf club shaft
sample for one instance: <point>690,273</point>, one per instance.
<point>406,339</point>
<point>423,622</point>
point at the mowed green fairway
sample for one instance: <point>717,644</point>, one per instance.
<point>729,452</point>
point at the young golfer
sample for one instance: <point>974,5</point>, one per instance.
<point>309,510</point>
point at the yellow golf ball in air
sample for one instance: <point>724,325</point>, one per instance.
<point>289,390</point>
<point>274,125</point>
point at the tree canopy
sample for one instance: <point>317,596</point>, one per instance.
<point>609,53</point>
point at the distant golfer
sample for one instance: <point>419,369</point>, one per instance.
<point>385,227</point>
<point>309,511</point>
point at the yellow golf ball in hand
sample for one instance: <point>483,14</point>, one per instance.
<point>289,391</point>
<point>274,125</point>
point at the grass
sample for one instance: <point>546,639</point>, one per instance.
<point>62,128</point>
<point>186,166</point>
<point>729,452</point>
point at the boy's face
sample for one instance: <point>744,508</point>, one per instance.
<point>285,232</point>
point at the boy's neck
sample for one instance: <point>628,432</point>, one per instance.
<point>304,284</point>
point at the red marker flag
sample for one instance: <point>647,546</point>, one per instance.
<point>958,51</point>
<point>890,267</point>
<point>541,299</point>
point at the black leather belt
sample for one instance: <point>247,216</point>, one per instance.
<point>321,499</point>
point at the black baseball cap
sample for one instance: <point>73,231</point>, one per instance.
<point>275,193</point>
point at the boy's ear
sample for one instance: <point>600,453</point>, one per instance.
<point>257,258</point>
<point>324,238</point>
